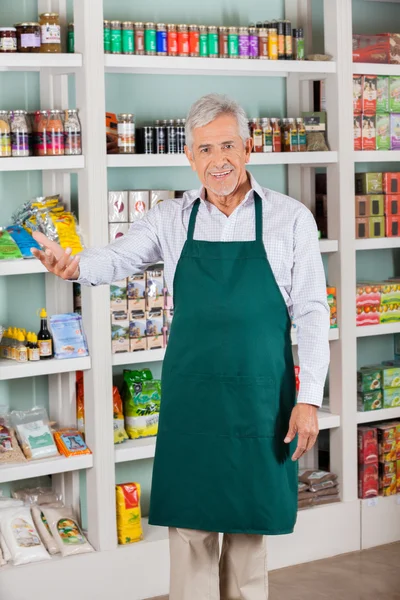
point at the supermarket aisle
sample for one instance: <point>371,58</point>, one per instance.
<point>367,575</point>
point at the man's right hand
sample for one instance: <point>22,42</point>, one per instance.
<point>55,259</point>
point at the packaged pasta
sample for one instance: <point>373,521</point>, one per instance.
<point>120,434</point>
<point>129,522</point>
<point>34,433</point>
<point>44,530</point>
<point>70,442</point>
<point>21,536</point>
<point>66,532</point>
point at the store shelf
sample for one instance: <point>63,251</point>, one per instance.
<point>180,160</point>
<point>21,267</point>
<point>326,246</point>
<point>10,369</point>
<point>134,358</point>
<point>375,69</point>
<point>378,243</point>
<point>35,62</point>
<point>327,420</point>
<point>385,329</point>
<point>153,534</point>
<point>380,521</point>
<point>383,414</point>
<point>135,450</point>
<point>170,65</point>
<point>43,163</point>
<point>367,156</point>
<point>49,466</point>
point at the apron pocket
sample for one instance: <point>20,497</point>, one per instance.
<point>220,405</point>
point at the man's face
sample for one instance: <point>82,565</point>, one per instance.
<point>219,155</point>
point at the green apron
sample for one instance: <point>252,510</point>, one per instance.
<point>228,389</point>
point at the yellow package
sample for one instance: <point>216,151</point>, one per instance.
<point>129,519</point>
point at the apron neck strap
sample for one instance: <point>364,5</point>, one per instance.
<point>192,221</point>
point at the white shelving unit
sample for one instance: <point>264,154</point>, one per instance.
<point>373,416</point>
<point>378,243</point>
<point>43,163</point>
<point>367,156</point>
<point>50,466</point>
<point>21,267</point>
<point>384,329</point>
<point>13,370</point>
<point>61,63</point>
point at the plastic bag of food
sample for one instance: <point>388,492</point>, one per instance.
<point>15,455</point>
<point>70,442</point>
<point>120,434</point>
<point>142,397</point>
<point>8,248</point>
<point>68,336</point>
<point>21,536</point>
<point>129,521</point>
<point>44,530</point>
<point>37,495</point>
<point>23,240</point>
<point>10,503</point>
<point>34,433</point>
<point>66,532</point>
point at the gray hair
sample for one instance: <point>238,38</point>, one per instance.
<point>208,108</point>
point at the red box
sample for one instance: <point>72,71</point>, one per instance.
<point>363,207</point>
<point>368,481</point>
<point>357,94</point>
<point>393,226</point>
<point>369,87</point>
<point>357,123</point>
<point>367,445</point>
<point>381,48</point>
<point>392,205</point>
<point>369,132</point>
<point>391,183</point>
<point>362,228</point>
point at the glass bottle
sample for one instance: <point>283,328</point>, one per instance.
<point>55,134</point>
<point>172,40</point>
<point>203,40</point>
<point>19,133</point>
<point>267,135</point>
<point>276,135</point>
<point>50,32</point>
<point>301,135</point>
<point>72,133</point>
<point>223,42</point>
<point>126,133</point>
<point>213,45</point>
<point>257,136</point>
<point>40,133</point>
<point>162,39</point>
<point>194,40</point>
<point>45,339</point>
<point>5,134</point>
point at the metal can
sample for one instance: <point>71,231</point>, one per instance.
<point>126,133</point>
<point>161,39</point>
<point>150,39</point>
<point>159,138</point>
<point>70,39</point>
<point>107,37</point>
<point>288,41</point>
<point>203,40</point>
<point>183,40</point>
<point>233,42</point>
<point>148,139</point>
<point>171,137</point>
<point>172,40</point>
<point>272,44</point>
<point>194,40</point>
<point>139,38</point>
<point>128,38</point>
<point>253,42</point>
<point>243,42</point>
<point>223,42</point>
<point>263,37</point>
<point>213,49</point>
<point>116,37</point>
<point>298,44</point>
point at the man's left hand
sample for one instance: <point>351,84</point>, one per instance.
<point>304,422</point>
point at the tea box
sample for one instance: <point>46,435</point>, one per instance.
<point>369,183</point>
<point>382,94</point>
<point>383,131</point>
<point>394,93</point>
<point>370,401</point>
<point>395,131</point>
<point>367,445</point>
<point>391,183</point>
<point>391,377</point>
<point>369,379</point>
<point>368,481</point>
<point>368,132</point>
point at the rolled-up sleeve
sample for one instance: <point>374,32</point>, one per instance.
<point>130,254</point>
<point>310,310</point>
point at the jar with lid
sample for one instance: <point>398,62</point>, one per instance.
<point>243,42</point>
<point>126,133</point>
<point>40,133</point>
<point>19,133</point>
<point>172,40</point>
<point>5,134</point>
<point>183,40</point>
<point>128,38</point>
<point>30,117</point>
<point>161,39</point>
<point>28,37</point>
<point>233,42</point>
<point>223,42</point>
<point>107,36</point>
<point>203,41</point>
<point>50,33</point>
<point>150,39</point>
<point>116,37</point>
<point>8,39</point>
<point>263,43</point>
<point>253,42</point>
<point>71,38</point>
<point>194,40</point>
<point>55,134</point>
<point>72,133</point>
<point>213,42</point>
<point>139,38</point>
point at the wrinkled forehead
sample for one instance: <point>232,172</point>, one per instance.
<point>222,129</point>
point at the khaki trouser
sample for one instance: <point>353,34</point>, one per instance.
<point>199,572</point>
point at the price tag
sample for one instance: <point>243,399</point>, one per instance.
<point>371,502</point>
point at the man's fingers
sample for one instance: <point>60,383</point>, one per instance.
<point>311,442</point>
<point>62,262</point>
<point>48,244</point>
<point>70,271</point>
<point>301,446</point>
<point>291,434</point>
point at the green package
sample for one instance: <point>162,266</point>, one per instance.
<point>370,401</point>
<point>142,398</point>
<point>8,248</point>
<point>383,131</point>
<point>369,379</point>
<point>394,92</point>
<point>382,102</point>
<point>391,377</point>
<point>391,397</point>
<point>369,183</point>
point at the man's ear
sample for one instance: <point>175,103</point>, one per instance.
<point>248,148</point>
<point>189,156</point>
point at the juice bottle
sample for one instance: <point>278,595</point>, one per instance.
<point>45,340</point>
<point>267,135</point>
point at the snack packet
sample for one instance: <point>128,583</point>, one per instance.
<point>129,524</point>
<point>23,240</point>
<point>68,336</point>
<point>120,434</point>
<point>66,532</point>
<point>34,433</point>
<point>142,399</point>
<point>70,442</point>
<point>21,536</point>
<point>8,248</point>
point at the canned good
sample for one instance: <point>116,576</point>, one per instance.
<point>128,38</point>
<point>116,37</point>
<point>203,40</point>
<point>263,37</point>
<point>253,42</point>
<point>107,36</point>
<point>233,42</point>
<point>223,42</point>
<point>161,39</point>
<point>194,40</point>
<point>150,39</point>
<point>139,38</point>
<point>172,40</point>
<point>272,44</point>
<point>183,40</point>
<point>213,49</point>
<point>243,42</point>
<point>148,140</point>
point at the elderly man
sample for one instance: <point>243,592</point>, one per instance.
<point>240,260</point>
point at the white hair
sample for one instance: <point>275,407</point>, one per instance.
<point>208,108</point>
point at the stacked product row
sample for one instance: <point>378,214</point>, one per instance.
<point>377,205</point>
<point>378,386</point>
<point>378,302</point>
<point>317,488</point>
<point>44,36</point>
<point>379,460</point>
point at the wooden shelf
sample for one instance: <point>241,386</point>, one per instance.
<point>10,369</point>
<point>49,466</point>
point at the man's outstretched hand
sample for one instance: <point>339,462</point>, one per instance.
<point>304,422</point>
<point>55,259</point>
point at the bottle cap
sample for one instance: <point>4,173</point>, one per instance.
<point>43,313</point>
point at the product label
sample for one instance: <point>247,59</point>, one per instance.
<point>45,347</point>
<point>107,40</point>
<point>70,533</point>
<point>5,144</point>
<point>51,34</point>
<point>128,45</point>
<point>55,142</point>
<point>162,42</point>
<point>8,44</point>
<point>253,46</point>
<point>233,45</point>
<point>20,143</point>
<point>150,40</point>
<point>244,45</point>
<point>33,354</point>
<point>116,41</point>
<point>212,43</point>
<point>203,44</point>
<point>25,535</point>
<point>44,521</point>
<point>30,40</point>
<point>126,135</point>
<point>72,142</point>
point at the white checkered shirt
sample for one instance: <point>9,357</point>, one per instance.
<point>291,243</point>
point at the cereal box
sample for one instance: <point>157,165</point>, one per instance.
<point>357,124</point>
<point>368,481</point>
<point>392,205</point>
<point>383,131</point>
<point>362,206</point>
<point>382,94</point>
<point>395,131</point>
<point>370,401</point>
<point>394,94</point>
<point>368,132</point>
<point>391,397</point>
<point>357,94</point>
<point>369,85</point>
<point>391,183</point>
<point>369,183</point>
<point>367,445</point>
<point>369,379</point>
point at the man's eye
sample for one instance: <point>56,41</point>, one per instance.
<point>228,146</point>
<point>203,150</point>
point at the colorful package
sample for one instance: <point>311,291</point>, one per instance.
<point>369,379</point>
<point>395,131</point>
<point>391,377</point>
<point>142,397</point>
<point>357,94</point>
<point>367,445</point>
<point>44,530</point>
<point>68,336</point>
<point>370,401</point>
<point>118,207</point>
<point>23,240</point>
<point>392,226</point>
<point>66,531</point>
<point>369,132</point>
<point>21,536</point>
<point>391,183</point>
<point>394,92</point>
<point>139,204</point>
<point>136,286</point>
<point>382,100</point>
<point>80,402</point>
<point>369,84</point>
<point>129,523</point>
<point>34,433</point>
<point>376,227</point>
<point>369,183</point>
<point>357,124</point>
<point>120,434</point>
<point>8,248</point>
<point>70,442</point>
<point>368,481</point>
<point>383,131</point>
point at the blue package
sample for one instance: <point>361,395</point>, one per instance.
<point>68,336</point>
<point>23,240</point>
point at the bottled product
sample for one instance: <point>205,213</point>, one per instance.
<point>244,50</point>
<point>301,134</point>
<point>263,52</point>
<point>172,40</point>
<point>171,137</point>
<point>180,136</point>
<point>139,38</point>
<point>233,42</point>
<point>5,134</point>
<point>128,39</point>
<point>126,133</point>
<point>22,350</point>
<point>8,39</point>
<point>272,44</point>
<point>194,40</point>
<point>267,135</point>
<point>223,42</point>
<point>28,37</point>
<point>50,32</point>
<point>71,38</point>
<point>116,37</point>
<point>281,40</point>
<point>150,39</point>
<point>45,340</point>
<point>55,134</point>
<point>162,39</point>
<point>159,139</point>
<point>213,45</point>
<point>40,135</point>
<point>19,133</point>
<point>107,36</point>
<point>276,136</point>
<point>298,44</point>
<point>72,133</point>
<point>288,41</point>
<point>33,347</point>
<point>253,43</point>
<point>257,135</point>
<point>183,40</point>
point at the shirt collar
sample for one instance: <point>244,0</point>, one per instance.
<point>190,197</point>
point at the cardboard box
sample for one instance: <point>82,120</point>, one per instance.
<point>376,205</point>
<point>387,443</point>
<point>368,294</point>
<point>367,445</point>
<point>137,325</point>
<point>154,322</point>
<point>117,207</point>
<point>391,183</point>
<point>390,377</point>
<point>376,48</point>
<point>137,286</point>
<point>357,94</point>
<point>368,481</point>
<point>155,342</point>
<point>382,94</point>
<point>398,476</point>
<point>369,132</point>
<point>157,196</point>
<point>357,124</point>
<point>370,401</point>
<point>390,313</point>
<point>391,397</point>
<point>117,230</point>
<point>395,131</point>
<point>388,484</point>
<point>392,205</point>
<point>376,227</point>
<point>390,292</point>
<point>138,344</point>
<point>383,131</point>
<point>139,203</point>
<point>136,305</point>
<point>157,302</point>
<point>118,295</point>
<point>363,206</point>
<point>362,228</point>
<point>394,92</point>
<point>369,86</point>
<point>369,183</point>
<point>120,336</point>
<point>120,318</point>
<point>367,315</point>
<point>392,226</point>
<point>369,379</point>
<point>155,285</point>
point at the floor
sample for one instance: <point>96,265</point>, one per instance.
<point>369,575</point>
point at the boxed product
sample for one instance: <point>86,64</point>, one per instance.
<point>157,196</point>
<point>370,401</point>
<point>388,484</point>
<point>136,305</point>
<point>390,292</point>
<point>357,94</point>
<point>376,205</point>
<point>369,379</point>
<point>331,295</point>
<point>387,443</point>
<point>129,522</point>
<point>394,93</point>
<point>137,324</point>
<point>117,230</point>
<point>382,94</point>
<point>368,481</point>
<point>362,206</point>
<point>398,476</point>
<point>369,88</point>
<point>392,205</point>
<point>138,202</point>
<point>367,445</point>
<point>138,344</point>
<point>376,227</point>
<point>368,294</point>
<point>395,131</point>
<point>391,183</point>
<point>155,322</point>
<point>377,48</point>
<point>390,377</point>
<point>362,228</point>
<point>136,286</point>
<point>369,183</point>
<point>391,397</point>
<point>368,132</point>
<point>117,207</point>
<point>383,131</point>
<point>155,342</point>
<point>155,289</point>
<point>120,337</point>
<point>390,313</point>
<point>357,124</point>
<point>118,295</point>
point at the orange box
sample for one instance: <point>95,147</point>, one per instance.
<point>392,205</point>
<point>391,183</point>
<point>363,206</point>
<point>393,226</point>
